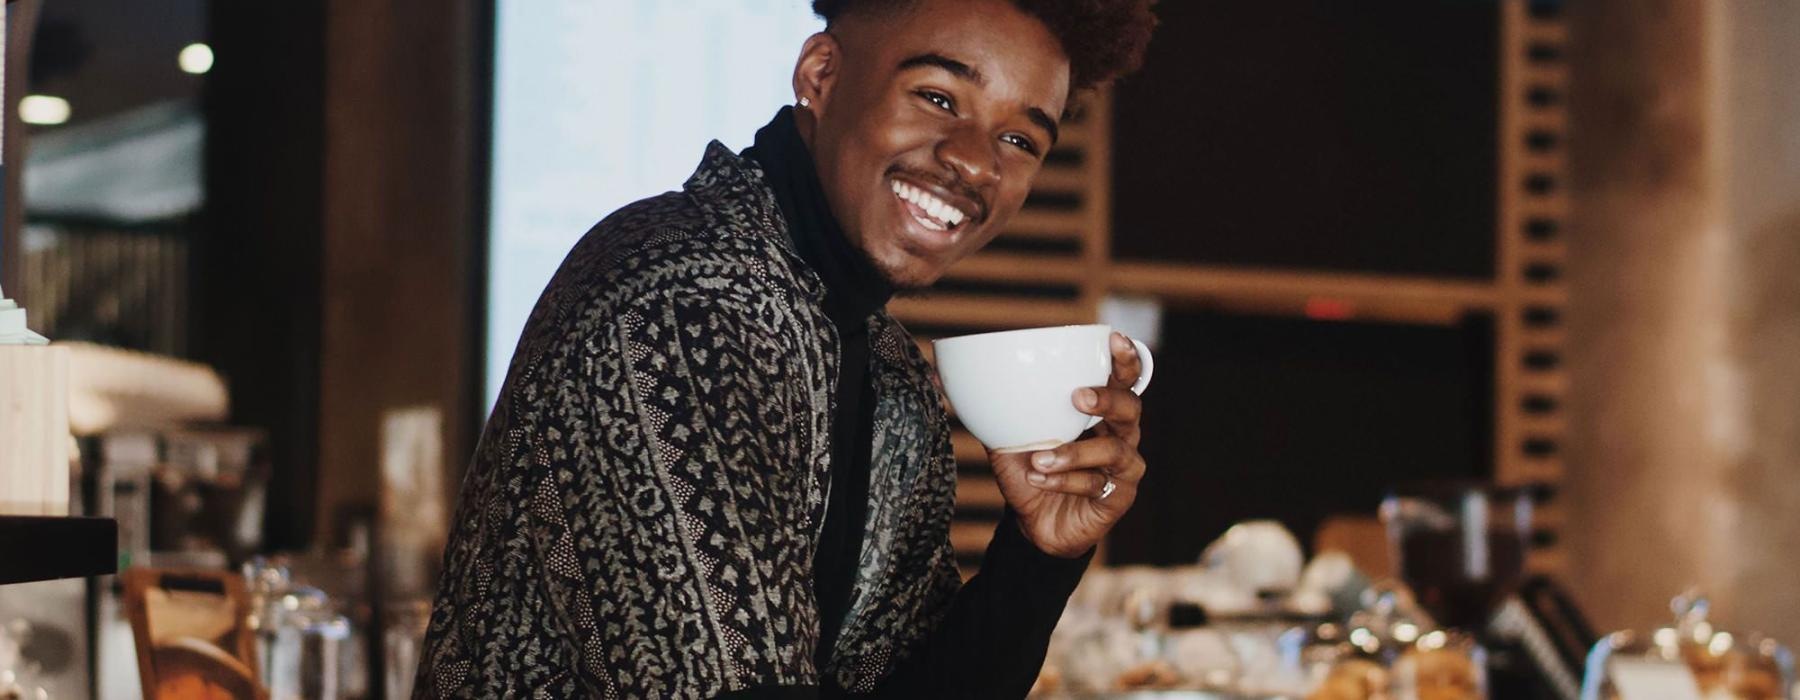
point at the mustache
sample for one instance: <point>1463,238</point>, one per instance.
<point>954,185</point>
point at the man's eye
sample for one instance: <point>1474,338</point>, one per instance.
<point>1023,143</point>
<point>940,99</point>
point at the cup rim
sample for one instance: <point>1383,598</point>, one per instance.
<point>988,334</point>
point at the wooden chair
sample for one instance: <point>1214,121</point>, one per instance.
<point>192,638</point>
<point>1364,538</point>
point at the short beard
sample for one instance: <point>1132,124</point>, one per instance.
<point>901,289</point>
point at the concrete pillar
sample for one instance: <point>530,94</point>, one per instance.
<point>1684,450</point>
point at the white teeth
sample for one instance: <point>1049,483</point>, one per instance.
<point>946,215</point>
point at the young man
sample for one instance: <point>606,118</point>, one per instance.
<point>718,468</point>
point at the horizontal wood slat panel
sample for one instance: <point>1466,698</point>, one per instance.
<point>1546,74</point>
<point>1554,33</point>
<point>1546,561</point>
<point>1542,470</point>
<point>968,450</point>
<point>988,312</point>
<point>1064,179</point>
<point>1542,425</point>
<point>926,350</point>
<point>1076,138</point>
<point>1544,250</point>
<point>978,491</point>
<point>1196,281</point>
<point>971,537</point>
<point>1548,294</point>
<point>1543,382</point>
<point>1043,224</point>
<point>1006,267</point>
<point>1549,517</point>
<point>1550,161</point>
<point>1551,120</point>
<point>1545,337</point>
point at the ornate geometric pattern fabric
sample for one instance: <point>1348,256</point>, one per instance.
<point>642,510</point>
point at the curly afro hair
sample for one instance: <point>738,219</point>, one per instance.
<point>1104,39</point>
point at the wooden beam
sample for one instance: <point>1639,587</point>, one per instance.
<point>1553,383</point>
<point>1556,33</point>
<point>1539,470</point>
<point>21,26</point>
<point>1075,137</point>
<point>980,492</point>
<point>1547,561</point>
<point>1202,282</point>
<point>1040,224</point>
<point>1546,337</point>
<point>398,233</point>
<point>1542,424</point>
<point>987,312</point>
<point>968,450</point>
<point>1061,178</point>
<point>971,537</point>
<point>1016,267</point>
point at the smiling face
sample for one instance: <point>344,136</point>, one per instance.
<point>928,124</point>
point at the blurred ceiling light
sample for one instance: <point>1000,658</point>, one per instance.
<point>196,58</point>
<point>43,110</point>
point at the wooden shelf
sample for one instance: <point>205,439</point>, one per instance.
<point>36,548</point>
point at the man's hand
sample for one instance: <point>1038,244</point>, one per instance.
<point>1058,493</point>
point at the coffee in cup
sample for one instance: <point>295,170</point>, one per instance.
<point>1014,390</point>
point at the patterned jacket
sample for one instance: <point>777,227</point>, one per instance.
<point>642,510</point>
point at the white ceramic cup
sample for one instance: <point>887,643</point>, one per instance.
<point>1015,390</point>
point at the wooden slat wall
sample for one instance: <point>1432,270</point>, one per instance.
<point>1019,282</point>
<point>1534,203</point>
<point>1066,269</point>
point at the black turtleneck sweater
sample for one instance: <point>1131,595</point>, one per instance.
<point>992,642</point>
<point>854,290</point>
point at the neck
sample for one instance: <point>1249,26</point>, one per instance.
<point>854,286</point>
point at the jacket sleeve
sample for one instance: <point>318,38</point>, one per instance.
<point>991,642</point>
<point>672,514</point>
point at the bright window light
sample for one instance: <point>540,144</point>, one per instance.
<point>43,110</point>
<point>597,104</point>
<point>195,58</point>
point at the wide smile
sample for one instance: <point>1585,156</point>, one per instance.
<point>934,222</point>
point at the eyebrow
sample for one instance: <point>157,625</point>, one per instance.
<point>967,72</point>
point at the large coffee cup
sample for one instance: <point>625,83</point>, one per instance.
<point>1014,390</point>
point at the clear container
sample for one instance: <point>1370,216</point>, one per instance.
<point>1460,546</point>
<point>305,656</point>
<point>1716,665</point>
<point>401,644</point>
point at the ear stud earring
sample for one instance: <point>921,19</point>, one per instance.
<point>805,102</point>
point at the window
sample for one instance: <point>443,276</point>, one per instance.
<point>598,104</point>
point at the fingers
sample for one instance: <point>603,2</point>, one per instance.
<point>1126,364</point>
<point>1119,408</point>
<point>1086,482</point>
<point>1110,454</point>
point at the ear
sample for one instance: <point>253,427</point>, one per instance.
<point>817,70</point>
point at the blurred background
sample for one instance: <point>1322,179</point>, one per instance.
<point>1540,254</point>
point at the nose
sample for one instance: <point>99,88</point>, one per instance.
<point>970,154</point>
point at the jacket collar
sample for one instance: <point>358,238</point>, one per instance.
<point>734,192</point>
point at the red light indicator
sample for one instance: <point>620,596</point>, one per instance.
<point>1328,309</point>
